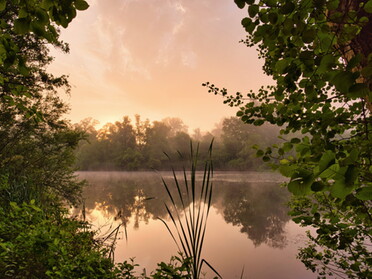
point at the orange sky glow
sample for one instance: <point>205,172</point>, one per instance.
<point>150,58</point>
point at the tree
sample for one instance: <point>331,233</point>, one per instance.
<point>319,55</point>
<point>26,28</point>
<point>36,143</point>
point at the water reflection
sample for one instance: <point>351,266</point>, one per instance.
<point>257,208</point>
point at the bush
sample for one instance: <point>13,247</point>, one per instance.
<point>35,245</point>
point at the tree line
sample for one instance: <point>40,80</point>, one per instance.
<point>143,145</point>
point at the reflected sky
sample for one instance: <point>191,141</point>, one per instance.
<point>248,223</point>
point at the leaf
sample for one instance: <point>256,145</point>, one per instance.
<point>253,10</point>
<point>259,153</point>
<point>326,63</point>
<point>332,5</point>
<point>308,36</point>
<point>81,5</point>
<point>367,71</point>
<point>354,62</point>
<point>317,186</point>
<point>299,188</point>
<point>368,7</point>
<point>353,156</point>
<point>281,65</point>
<point>287,170</point>
<point>248,24</point>
<point>340,189</point>
<point>351,175</point>
<point>295,140</point>
<point>2,5</point>
<point>330,171</point>
<point>364,193</point>
<point>273,18</point>
<point>21,25</point>
<point>327,159</point>
<point>358,90</point>
<point>47,4</point>
<point>287,8</point>
<point>240,3</point>
<point>343,81</point>
<point>38,28</point>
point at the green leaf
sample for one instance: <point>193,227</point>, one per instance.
<point>253,10</point>
<point>240,113</point>
<point>22,13</point>
<point>281,65</point>
<point>340,189</point>
<point>22,25</point>
<point>42,16</point>
<point>259,153</point>
<point>308,36</point>
<point>273,18</point>
<point>358,90</point>
<point>327,159</point>
<point>332,5</point>
<point>351,175</point>
<point>47,4</point>
<point>248,24</point>
<point>326,63</point>
<point>258,122</point>
<point>351,159</point>
<point>81,5</point>
<point>354,62</point>
<point>299,188</point>
<point>240,3</point>
<point>287,170</point>
<point>330,172</point>
<point>317,186</point>
<point>38,28</point>
<point>367,71</point>
<point>343,81</point>
<point>266,158</point>
<point>368,7</point>
<point>295,140</point>
<point>287,8</point>
<point>2,5</point>
<point>365,193</point>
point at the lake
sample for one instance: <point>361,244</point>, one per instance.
<point>248,226</point>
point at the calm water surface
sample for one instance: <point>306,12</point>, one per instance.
<point>248,226</point>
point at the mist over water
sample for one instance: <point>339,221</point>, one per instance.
<point>248,224</point>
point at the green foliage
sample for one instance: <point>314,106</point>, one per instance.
<point>144,145</point>
<point>36,144</point>
<point>37,157</point>
<point>26,27</point>
<point>343,232</point>
<point>37,244</point>
<point>319,56</point>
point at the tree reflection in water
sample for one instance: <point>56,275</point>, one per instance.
<point>257,208</point>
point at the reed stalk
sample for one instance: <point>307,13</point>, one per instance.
<point>189,209</point>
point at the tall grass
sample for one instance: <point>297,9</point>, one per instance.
<point>189,209</point>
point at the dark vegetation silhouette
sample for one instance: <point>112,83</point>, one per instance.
<point>162,145</point>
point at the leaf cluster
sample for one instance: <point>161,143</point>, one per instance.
<point>319,55</point>
<point>27,29</point>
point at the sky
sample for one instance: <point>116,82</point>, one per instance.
<point>150,57</point>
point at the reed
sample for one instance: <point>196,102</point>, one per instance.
<point>188,210</point>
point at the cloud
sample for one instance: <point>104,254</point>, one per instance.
<point>150,57</point>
